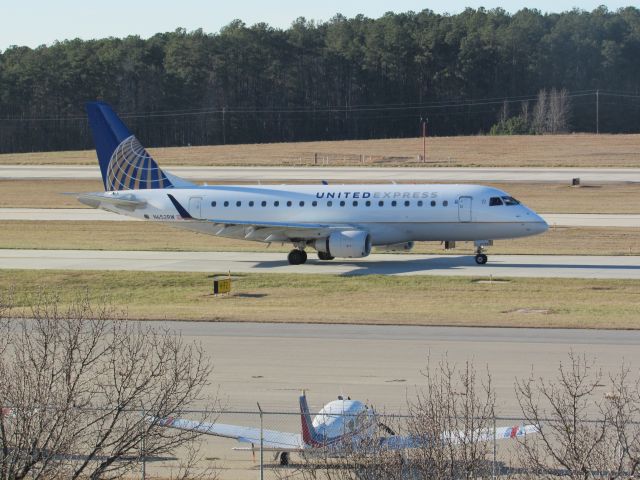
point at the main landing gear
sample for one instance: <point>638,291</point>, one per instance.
<point>297,257</point>
<point>325,256</point>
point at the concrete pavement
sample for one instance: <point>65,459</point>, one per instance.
<point>564,266</point>
<point>378,174</point>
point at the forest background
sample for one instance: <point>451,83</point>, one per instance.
<point>476,72</point>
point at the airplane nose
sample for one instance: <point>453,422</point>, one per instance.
<point>538,224</point>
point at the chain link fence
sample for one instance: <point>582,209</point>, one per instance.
<point>252,444</point>
<point>285,452</point>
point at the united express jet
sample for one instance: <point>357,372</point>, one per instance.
<point>342,221</point>
<point>341,426</point>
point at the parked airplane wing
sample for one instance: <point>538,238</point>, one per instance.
<point>397,442</point>
<point>272,439</point>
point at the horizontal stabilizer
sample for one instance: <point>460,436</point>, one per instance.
<point>125,202</point>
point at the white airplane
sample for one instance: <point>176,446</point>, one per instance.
<point>336,220</point>
<point>340,426</point>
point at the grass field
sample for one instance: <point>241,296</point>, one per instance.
<point>542,197</point>
<point>411,300</point>
<point>583,150</point>
<point>88,235</point>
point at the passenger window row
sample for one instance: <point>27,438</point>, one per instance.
<point>343,203</point>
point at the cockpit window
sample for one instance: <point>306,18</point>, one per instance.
<point>493,201</point>
<point>510,201</point>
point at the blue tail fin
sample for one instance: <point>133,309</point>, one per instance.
<point>124,163</point>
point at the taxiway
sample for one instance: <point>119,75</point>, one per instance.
<point>377,174</point>
<point>565,266</point>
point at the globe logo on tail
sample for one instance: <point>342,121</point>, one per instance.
<point>132,168</point>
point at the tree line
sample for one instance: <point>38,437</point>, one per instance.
<point>347,78</point>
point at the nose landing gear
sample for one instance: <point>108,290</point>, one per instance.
<point>481,258</point>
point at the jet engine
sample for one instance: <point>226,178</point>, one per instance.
<point>395,247</point>
<point>346,244</point>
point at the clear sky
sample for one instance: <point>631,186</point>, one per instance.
<point>37,22</point>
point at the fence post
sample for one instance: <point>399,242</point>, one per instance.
<point>142,449</point>
<point>261,443</point>
<point>495,431</point>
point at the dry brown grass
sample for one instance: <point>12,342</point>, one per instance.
<point>578,150</point>
<point>542,197</point>
<point>375,299</point>
<point>45,193</point>
<point>84,235</point>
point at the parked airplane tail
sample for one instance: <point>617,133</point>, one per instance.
<point>310,435</point>
<point>124,163</point>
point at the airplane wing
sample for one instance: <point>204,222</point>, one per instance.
<point>274,231</point>
<point>273,440</point>
<point>398,442</point>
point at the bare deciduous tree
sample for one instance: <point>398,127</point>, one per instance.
<point>622,410</point>
<point>539,122</point>
<point>83,394</point>
<point>444,436</point>
<point>451,414</point>
<point>558,111</point>
<point>583,430</point>
<point>551,112</point>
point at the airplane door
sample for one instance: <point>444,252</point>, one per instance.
<point>464,209</point>
<point>195,207</point>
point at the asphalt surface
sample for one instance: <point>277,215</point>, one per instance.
<point>89,214</point>
<point>565,266</point>
<point>271,363</point>
<point>423,175</point>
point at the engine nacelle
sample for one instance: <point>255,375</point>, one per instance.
<point>347,244</point>
<point>396,247</point>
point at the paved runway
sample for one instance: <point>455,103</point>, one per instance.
<point>90,214</point>
<point>284,357</point>
<point>423,175</point>
<point>621,267</point>
<point>271,363</point>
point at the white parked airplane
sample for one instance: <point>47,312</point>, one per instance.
<point>335,220</point>
<point>340,426</point>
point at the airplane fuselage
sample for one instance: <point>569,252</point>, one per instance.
<point>390,213</point>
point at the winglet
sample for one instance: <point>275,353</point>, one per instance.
<point>181,210</point>
<point>309,434</point>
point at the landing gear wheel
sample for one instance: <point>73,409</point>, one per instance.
<point>284,458</point>
<point>324,256</point>
<point>481,259</point>
<point>296,257</point>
